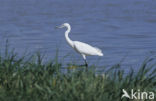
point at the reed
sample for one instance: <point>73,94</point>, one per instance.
<point>28,79</point>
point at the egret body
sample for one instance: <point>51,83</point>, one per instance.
<point>80,47</point>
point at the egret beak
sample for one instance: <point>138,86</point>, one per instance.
<point>60,26</point>
<point>56,26</point>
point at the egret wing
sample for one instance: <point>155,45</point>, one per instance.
<point>99,50</point>
<point>86,49</point>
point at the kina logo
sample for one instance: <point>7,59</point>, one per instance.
<point>137,95</point>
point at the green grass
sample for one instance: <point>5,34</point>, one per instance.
<point>26,78</point>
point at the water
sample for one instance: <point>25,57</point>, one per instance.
<point>122,29</point>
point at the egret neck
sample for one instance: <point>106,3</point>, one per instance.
<point>70,42</point>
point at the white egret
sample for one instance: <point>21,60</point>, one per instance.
<point>80,47</point>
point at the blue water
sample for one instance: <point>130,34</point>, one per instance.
<point>122,28</point>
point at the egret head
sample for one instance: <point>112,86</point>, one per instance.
<point>64,25</point>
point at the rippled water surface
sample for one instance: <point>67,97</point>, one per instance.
<point>122,29</point>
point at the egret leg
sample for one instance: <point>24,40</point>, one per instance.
<point>86,64</point>
<point>84,57</point>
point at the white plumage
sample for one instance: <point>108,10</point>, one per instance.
<point>80,47</point>
<point>86,49</point>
